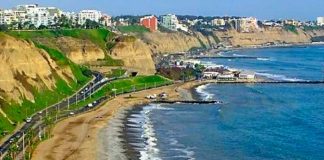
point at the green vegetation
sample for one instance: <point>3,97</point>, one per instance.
<point>97,36</point>
<point>124,86</point>
<point>101,37</point>
<point>133,29</point>
<point>62,60</point>
<point>311,28</point>
<point>43,98</point>
<point>108,61</point>
<point>116,73</point>
<point>291,28</point>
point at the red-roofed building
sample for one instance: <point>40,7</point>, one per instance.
<point>150,22</point>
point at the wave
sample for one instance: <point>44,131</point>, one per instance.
<point>203,93</point>
<point>240,55</point>
<point>278,77</point>
<point>263,59</point>
<point>150,151</point>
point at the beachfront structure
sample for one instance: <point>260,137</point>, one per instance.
<point>218,22</point>
<point>247,75</point>
<point>92,15</point>
<point>150,22</point>
<point>320,21</point>
<point>170,22</point>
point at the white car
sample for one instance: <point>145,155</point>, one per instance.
<point>90,105</point>
<point>71,113</point>
<point>28,120</point>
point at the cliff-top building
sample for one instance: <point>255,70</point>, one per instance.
<point>320,21</point>
<point>92,15</point>
<point>170,22</point>
<point>218,22</point>
<point>150,22</point>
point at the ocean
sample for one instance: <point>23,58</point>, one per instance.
<point>256,121</point>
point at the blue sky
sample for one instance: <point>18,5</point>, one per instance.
<point>262,9</point>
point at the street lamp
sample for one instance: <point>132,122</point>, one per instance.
<point>114,90</point>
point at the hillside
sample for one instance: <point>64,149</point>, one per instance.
<point>32,76</point>
<point>267,35</point>
<point>136,55</point>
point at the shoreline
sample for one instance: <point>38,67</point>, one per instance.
<point>213,51</point>
<point>79,137</point>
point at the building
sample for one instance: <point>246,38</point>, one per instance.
<point>170,22</point>
<point>249,24</point>
<point>247,75</point>
<point>31,13</point>
<point>106,20</point>
<point>92,15</point>
<point>150,22</point>
<point>6,17</point>
<point>218,22</point>
<point>320,21</point>
<point>292,22</point>
<point>182,27</point>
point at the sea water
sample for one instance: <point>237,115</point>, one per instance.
<point>256,121</point>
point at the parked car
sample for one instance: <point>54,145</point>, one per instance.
<point>28,120</point>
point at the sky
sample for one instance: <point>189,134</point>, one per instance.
<point>262,9</point>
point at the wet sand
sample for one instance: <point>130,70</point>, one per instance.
<point>81,137</point>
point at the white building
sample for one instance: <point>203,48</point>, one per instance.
<point>249,24</point>
<point>183,27</point>
<point>106,20</point>
<point>92,15</point>
<point>320,21</point>
<point>218,22</point>
<point>170,22</point>
<point>247,75</point>
<point>7,17</point>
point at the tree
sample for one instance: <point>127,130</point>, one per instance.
<point>26,25</point>
<point>89,24</point>
<point>32,27</point>
<point>3,28</point>
<point>42,27</point>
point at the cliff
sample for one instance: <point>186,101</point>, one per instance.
<point>135,54</point>
<point>80,51</point>
<point>24,68</point>
<point>264,36</point>
<point>174,42</point>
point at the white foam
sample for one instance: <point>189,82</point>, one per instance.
<point>239,55</point>
<point>278,77</point>
<point>150,151</point>
<point>263,59</point>
<point>202,91</point>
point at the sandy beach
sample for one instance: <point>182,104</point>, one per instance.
<point>80,137</point>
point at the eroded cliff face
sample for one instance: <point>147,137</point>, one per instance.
<point>137,56</point>
<point>172,42</point>
<point>24,68</point>
<point>78,50</point>
<point>269,35</point>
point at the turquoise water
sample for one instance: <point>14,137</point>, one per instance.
<point>256,121</point>
<point>299,63</point>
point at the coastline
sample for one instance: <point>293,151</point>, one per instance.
<point>213,51</point>
<point>80,137</point>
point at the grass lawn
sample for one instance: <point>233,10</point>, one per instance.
<point>97,36</point>
<point>116,73</point>
<point>133,29</point>
<point>126,85</point>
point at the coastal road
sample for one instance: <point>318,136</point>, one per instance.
<point>36,120</point>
